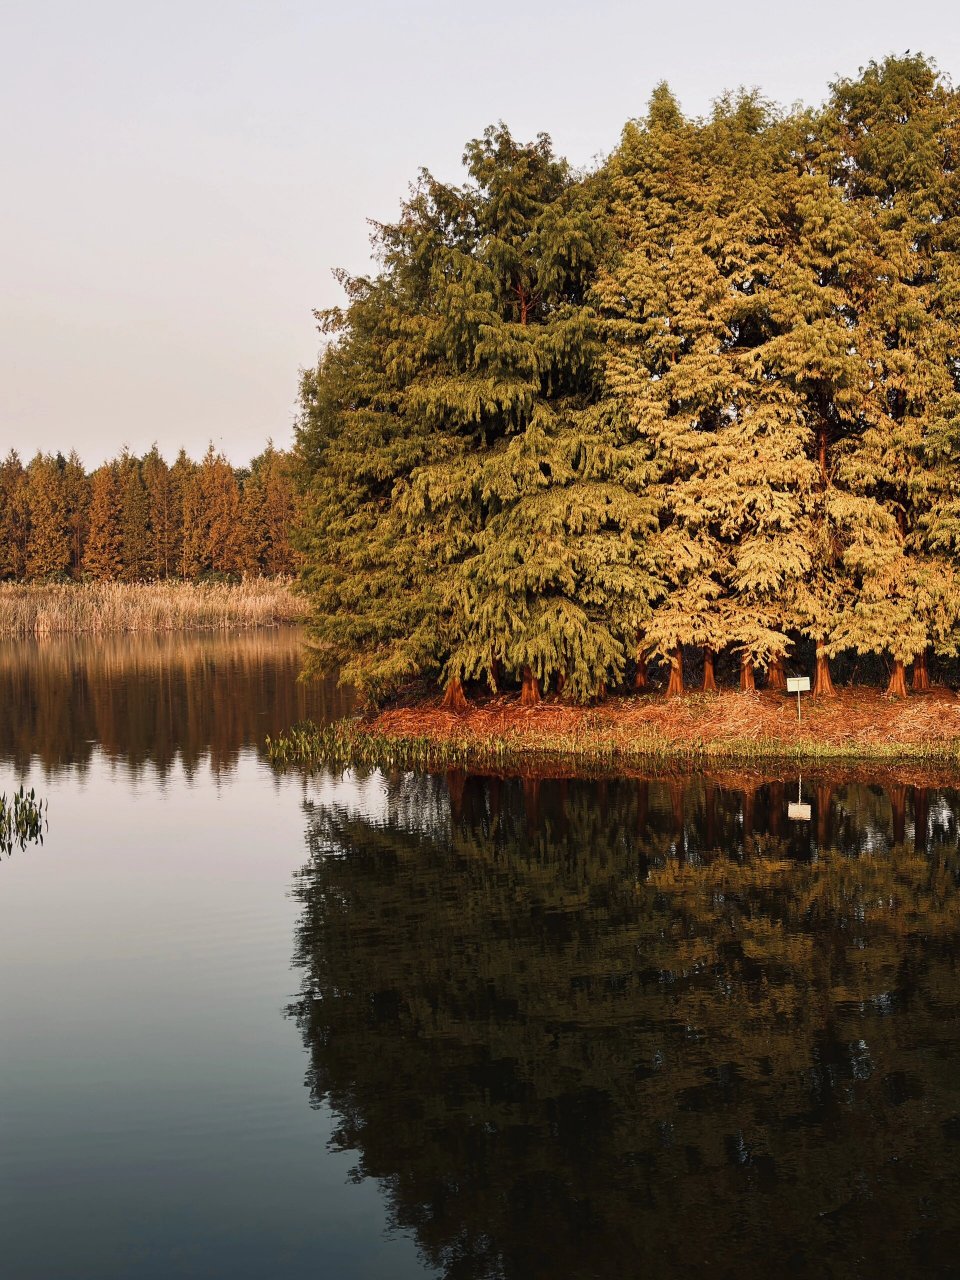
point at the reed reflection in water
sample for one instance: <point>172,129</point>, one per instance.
<point>154,699</point>
<point>644,1027</point>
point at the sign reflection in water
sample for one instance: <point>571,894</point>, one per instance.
<point>644,1027</point>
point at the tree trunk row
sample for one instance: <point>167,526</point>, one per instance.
<point>455,698</point>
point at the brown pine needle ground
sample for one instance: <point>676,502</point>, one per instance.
<point>860,723</point>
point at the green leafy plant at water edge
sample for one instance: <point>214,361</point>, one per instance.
<point>22,820</point>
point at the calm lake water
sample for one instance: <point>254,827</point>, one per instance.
<point>399,1026</point>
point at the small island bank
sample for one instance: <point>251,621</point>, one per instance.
<point>855,725</point>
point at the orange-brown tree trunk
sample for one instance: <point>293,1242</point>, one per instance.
<point>640,682</point>
<point>529,689</point>
<point>747,681</point>
<point>823,683</point>
<point>921,674</point>
<point>822,455</point>
<point>709,676</point>
<point>454,698</point>
<point>495,675</point>
<point>897,688</point>
<point>601,693</point>
<point>776,675</point>
<point>675,684</point>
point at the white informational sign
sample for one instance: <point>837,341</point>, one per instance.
<point>799,811</point>
<point>798,685</point>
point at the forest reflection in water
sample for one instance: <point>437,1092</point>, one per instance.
<point>154,699</point>
<point>643,1026</point>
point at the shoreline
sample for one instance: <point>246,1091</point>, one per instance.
<point>858,726</point>
<point>39,611</point>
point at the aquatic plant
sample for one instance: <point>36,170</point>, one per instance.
<point>22,820</point>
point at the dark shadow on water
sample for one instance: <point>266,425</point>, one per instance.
<point>644,1027</point>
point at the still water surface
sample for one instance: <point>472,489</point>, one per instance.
<point>461,1026</point>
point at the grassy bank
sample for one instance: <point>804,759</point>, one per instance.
<point>69,608</point>
<point>858,725</point>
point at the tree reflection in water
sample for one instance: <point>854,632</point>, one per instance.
<point>154,699</point>
<point>643,1027</point>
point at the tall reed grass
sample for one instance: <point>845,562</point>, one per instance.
<point>69,608</point>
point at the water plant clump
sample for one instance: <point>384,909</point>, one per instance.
<point>22,820</point>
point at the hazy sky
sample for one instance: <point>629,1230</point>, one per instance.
<point>179,179</point>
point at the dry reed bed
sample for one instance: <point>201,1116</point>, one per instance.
<point>62,609</point>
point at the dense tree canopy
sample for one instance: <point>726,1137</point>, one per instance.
<point>138,519</point>
<point>707,395</point>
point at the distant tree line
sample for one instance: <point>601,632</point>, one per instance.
<point>135,519</point>
<point>705,398</point>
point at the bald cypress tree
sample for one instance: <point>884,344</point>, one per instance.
<point>706,397</point>
<point>14,517</point>
<point>897,134</point>
<point>814,353</point>
<point>219,515</point>
<point>165,515</point>
<point>268,514</point>
<point>691,312</point>
<point>370,573</point>
<point>103,551</point>
<point>550,584</point>
<point>48,546</point>
<point>455,452</point>
<point>134,520</point>
<point>77,492</point>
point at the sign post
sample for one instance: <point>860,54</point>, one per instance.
<point>798,685</point>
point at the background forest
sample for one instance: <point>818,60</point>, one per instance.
<point>138,519</point>
<point>703,399</point>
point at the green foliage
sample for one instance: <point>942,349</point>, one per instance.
<point>707,395</point>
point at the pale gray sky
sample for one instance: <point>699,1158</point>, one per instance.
<point>179,179</point>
